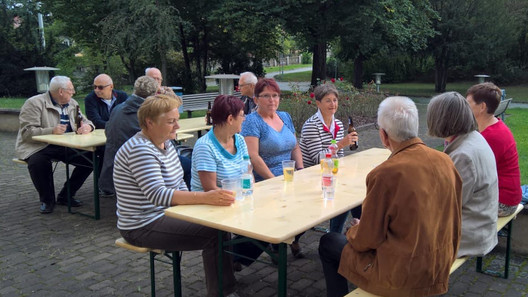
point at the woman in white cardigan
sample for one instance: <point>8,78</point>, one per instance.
<point>450,117</point>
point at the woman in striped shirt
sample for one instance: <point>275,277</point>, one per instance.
<point>317,133</point>
<point>148,178</point>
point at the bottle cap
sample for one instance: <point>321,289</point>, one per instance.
<point>333,141</point>
<point>328,155</point>
<point>246,157</point>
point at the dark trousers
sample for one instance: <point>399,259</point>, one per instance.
<point>330,247</point>
<point>176,235</point>
<point>337,223</point>
<point>250,250</point>
<point>41,171</point>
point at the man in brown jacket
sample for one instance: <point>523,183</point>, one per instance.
<point>409,231</point>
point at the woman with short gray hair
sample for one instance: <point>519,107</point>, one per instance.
<point>449,116</point>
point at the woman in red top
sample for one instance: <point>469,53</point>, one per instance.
<point>484,99</point>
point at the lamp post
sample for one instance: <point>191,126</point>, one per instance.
<point>378,76</point>
<point>481,77</point>
<point>42,77</point>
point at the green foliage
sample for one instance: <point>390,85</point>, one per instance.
<point>301,105</point>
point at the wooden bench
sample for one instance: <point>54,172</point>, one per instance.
<point>501,109</point>
<point>194,102</point>
<point>174,256</point>
<point>501,223</point>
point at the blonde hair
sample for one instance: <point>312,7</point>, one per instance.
<point>156,105</point>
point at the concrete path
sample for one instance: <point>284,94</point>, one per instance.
<point>287,86</point>
<point>70,255</point>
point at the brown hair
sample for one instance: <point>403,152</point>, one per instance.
<point>488,93</point>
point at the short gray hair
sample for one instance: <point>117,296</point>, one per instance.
<point>145,86</point>
<point>449,114</point>
<point>59,82</point>
<point>249,77</point>
<point>398,116</point>
<point>322,90</point>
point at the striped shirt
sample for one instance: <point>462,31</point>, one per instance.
<point>145,179</point>
<point>209,155</point>
<point>316,139</point>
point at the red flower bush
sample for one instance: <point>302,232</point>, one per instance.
<point>333,80</point>
<point>309,102</point>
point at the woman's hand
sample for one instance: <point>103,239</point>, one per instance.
<point>348,140</point>
<point>220,197</point>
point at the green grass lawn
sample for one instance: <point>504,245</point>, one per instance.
<point>516,119</point>
<point>286,67</point>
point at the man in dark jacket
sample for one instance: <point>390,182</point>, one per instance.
<point>100,102</point>
<point>122,125</point>
<point>246,84</point>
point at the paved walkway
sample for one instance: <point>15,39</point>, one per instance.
<point>71,255</point>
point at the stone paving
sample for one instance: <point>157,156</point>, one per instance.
<point>71,255</point>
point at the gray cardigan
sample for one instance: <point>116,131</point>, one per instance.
<point>475,163</point>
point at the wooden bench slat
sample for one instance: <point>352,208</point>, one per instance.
<point>121,242</point>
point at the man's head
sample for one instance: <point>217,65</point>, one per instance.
<point>487,93</point>
<point>247,83</point>
<point>145,86</point>
<point>61,89</point>
<point>155,73</point>
<point>103,86</point>
<point>397,120</point>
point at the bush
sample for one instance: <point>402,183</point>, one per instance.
<point>306,58</point>
<point>362,105</point>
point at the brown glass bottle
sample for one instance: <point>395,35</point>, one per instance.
<point>351,129</point>
<point>78,118</point>
<point>208,119</point>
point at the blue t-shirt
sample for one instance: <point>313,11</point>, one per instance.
<point>209,155</point>
<point>274,147</point>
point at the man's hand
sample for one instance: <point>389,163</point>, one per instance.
<point>59,129</point>
<point>84,129</point>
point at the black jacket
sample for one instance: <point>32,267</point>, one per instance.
<point>97,111</point>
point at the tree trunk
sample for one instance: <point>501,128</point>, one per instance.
<point>187,79</point>
<point>319,63</point>
<point>358,71</point>
<point>441,67</point>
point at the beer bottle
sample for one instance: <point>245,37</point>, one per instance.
<point>78,118</point>
<point>351,129</point>
<point>208,119</point>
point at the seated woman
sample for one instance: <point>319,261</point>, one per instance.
<point>317,133</point>
<point>449,116</point>
<point>219,153</point>
<point>484,99</point>
<point>270,138</point>
<point>148,178</point>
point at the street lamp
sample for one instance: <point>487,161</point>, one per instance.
<point>42,77</point>
<point>378,79</point>
<point>481,77</point>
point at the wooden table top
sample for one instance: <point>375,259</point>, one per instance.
<point>193,125</point>
<point>87,142</point>
<point>282,210</point>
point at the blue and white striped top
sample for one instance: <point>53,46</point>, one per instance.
<point>145,178</point>
<point>209,155</point>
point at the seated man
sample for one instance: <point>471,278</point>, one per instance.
<point>52,113</point>
<point>100,102</point>
<point>409,231</point>
<point>122,125</point>
<point>155,73</point>
<point>246,84</point>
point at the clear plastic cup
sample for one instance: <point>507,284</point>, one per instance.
<point>234,185</point>
<point>288,168</point>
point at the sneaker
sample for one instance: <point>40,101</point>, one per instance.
<point>73,202</point>
<point>106,195</point>
<point>237,266</point>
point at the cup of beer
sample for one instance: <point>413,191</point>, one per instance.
<point>233,185</point>
<point>288,167</point>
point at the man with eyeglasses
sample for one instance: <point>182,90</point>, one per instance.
<point>102,100</point>
<point>246,85</point>
<point>52,113</point>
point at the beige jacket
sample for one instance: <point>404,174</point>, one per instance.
<point>39,116</point>
<point>409,232</point>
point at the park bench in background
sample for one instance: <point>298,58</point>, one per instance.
<point>503,105</point>
<point>194,102</point>
<point>502,222</point>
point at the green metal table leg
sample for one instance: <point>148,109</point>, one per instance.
<point>508,250</point>
<point>220,263</point>
<point>95,164</point>
<point>176,273</point>
<point>152,275</point>
<point>282,270</point>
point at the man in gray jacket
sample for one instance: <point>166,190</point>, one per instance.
<point>52,113</point>
<point>122,125</point>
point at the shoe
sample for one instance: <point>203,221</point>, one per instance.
<point>296,250</point>
<point>73,202</point>
<point>237,266</point>
<point>106,195</point>
<point>46,208</point>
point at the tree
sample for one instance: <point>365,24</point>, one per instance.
<point>374,27</point>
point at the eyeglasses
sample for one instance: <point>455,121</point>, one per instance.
<point>100,87</point>
<point>243,85</point>
<point>267,96</point>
